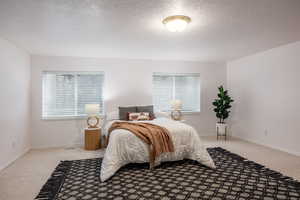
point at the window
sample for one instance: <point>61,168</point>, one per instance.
<point>168,87</point>
<point>66,93</point>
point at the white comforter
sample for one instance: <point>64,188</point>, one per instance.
<point>124,147</point>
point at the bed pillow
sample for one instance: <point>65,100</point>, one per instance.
<point>148,109</point>
<point>138,116</point>
<point>162,115</point>
<point>123,112</point>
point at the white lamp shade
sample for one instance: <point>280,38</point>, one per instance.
<point>176,104</point>
<point>91,109</point>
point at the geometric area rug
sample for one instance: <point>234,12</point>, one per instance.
<point>234,178</point>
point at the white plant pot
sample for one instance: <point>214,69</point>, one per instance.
<point>221,128</point>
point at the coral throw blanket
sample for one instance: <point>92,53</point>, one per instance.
<point>158,138</point>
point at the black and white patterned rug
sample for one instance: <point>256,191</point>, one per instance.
<point>234,178</point>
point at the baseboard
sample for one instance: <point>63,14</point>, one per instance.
<point>48,147</point>
<point>270,146</point>
<point>37,147</point>
<point>14,159</point>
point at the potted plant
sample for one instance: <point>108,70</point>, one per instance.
<point>222,106</point>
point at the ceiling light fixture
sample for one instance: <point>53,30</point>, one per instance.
<point>176,23</point>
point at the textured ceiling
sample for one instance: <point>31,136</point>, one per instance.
<point>220,30</point>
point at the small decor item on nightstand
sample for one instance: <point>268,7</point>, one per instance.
<point>93,111</point>
<point>176,107</point>
<point>222,106</point>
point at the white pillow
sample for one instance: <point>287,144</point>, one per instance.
<point>162,115</point>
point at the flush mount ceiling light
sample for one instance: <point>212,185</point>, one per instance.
<point>176,23</point>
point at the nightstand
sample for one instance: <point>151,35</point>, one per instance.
<point>92,138</point>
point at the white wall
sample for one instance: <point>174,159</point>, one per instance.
<point>266,90</point>
<point>14,103</point>
<point>127,82</point>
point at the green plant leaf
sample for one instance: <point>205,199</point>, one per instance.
<point>222,104</point>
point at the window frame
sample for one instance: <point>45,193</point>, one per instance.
<point>173,75</point>
<point>73,117</point>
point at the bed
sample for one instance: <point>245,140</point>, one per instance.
<point>124,147</point>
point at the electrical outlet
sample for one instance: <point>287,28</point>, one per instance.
<point>266,132</point>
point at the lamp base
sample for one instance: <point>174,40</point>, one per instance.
<point>176,115</point>
<point>93,121</point>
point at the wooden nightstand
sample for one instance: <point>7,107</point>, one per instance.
<point>92,138</point>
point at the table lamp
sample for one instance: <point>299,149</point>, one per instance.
<point>176,106</point>
<point>93,111</point>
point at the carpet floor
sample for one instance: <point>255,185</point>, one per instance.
<point>234,178</point>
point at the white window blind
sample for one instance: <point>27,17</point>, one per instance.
<point>184,87</point>
<point>66,93</point>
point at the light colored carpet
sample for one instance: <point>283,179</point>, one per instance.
<point>23,179</point>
